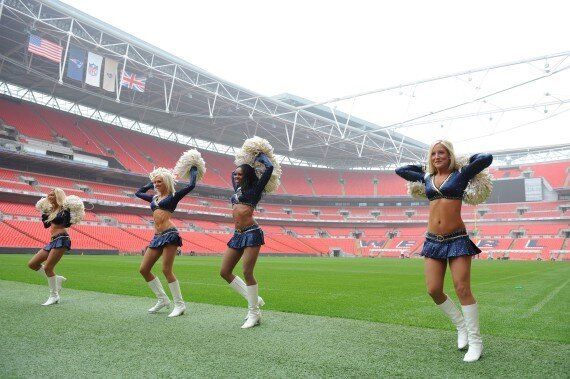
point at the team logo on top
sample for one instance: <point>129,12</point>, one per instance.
<point>372,243</point>
<point>532,244</point>
<point>406,243</point>
<point>77,62</point>
<point>488,243</point>
<point>93,69</point>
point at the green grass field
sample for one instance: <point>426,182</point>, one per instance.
<point>323,317</point>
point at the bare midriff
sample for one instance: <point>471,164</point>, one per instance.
<point>445,216</point>
<point>243,216</point>
<point>57,229</point>
<point>162,220</point>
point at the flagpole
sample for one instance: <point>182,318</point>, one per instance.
<point>62,65</point>
<point>30,62</point>
<point>122,71</point>
<point>117,83</point>
<point>169,99</point>
<point>1,7</point>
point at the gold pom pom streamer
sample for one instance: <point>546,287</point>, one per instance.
<point>188,159</point>
<point>250,149</point>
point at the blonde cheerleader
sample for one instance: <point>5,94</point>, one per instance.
<point>59,212</point>
<point>446,184</point>
<point>167,240</point>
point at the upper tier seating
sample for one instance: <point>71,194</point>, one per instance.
<point>140,153</point>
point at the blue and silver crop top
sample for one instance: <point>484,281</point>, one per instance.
<point>454,185</point>
<point>170,202</point>
<point>251,196</point>
<point>63,218</point>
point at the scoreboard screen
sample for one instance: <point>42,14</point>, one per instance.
<point>508,191</point>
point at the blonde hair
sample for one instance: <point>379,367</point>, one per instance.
<point>167,177</point>
<point>59,199</point>
<point>452,160</point>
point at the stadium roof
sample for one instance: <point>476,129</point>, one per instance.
<point>184,103</point>
<point>183,99</point>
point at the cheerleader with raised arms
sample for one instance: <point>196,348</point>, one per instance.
<point>258,172</point>
<point>167,240</point>
<point>59,212</point>
<point>446,184</point>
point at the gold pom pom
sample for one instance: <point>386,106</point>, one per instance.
<point>250,149</point>
<point>75,207</point>
<point>188,159</point>
<point>44,205</point>
<point>416,190</point>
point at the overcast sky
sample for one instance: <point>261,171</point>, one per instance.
<point>321,50</point>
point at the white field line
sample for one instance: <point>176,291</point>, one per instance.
<point>544,301</point>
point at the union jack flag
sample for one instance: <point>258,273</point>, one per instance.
<point>132,81</point>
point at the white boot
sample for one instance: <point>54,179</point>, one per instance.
<point>53,294</point>
<point>59,279</point>
<point>456,317</point>
<point>59,282</point>
<point>240,287</point>
<point>471,314</point>
<point>253,312</point>
<point>179,305</point>
<point>163,301</point>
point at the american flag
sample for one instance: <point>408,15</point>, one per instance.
<point>45,48</point>
<point>132,81</point>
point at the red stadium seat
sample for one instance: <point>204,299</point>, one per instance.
<point>139,153</point>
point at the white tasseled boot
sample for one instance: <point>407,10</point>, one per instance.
<point>253,312</point>
<point>179,305</point>
<point>53,294</point>
<point>240,287</point>
<point>59,279</point>
<point>163,301</point>
<point>457,319</point>
<point>471,314</point>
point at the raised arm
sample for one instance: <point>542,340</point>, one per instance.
<point>67,218</point>
<point>262,182</point>
<point>234,184</point>
<point>477,163</point>
<point>412,173</point>
<point>63,218</point>
<point>141,193</point>
<point>45,221</point>
<point>178,195</point>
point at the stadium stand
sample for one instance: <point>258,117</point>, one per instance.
<point>541,225</point>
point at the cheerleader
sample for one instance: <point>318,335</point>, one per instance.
<point>59,212</point>
<point>248,236</point>
<point>445,185</point>
<point>167,240</point>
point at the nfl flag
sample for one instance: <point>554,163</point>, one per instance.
<point>110,75</point>
<point>75,63</point>
<point>44,48</point>
<point>93,74</point>
<point>132,81</point>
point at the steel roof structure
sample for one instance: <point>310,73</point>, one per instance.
<point>180,98</point>
<point>187,104</point>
